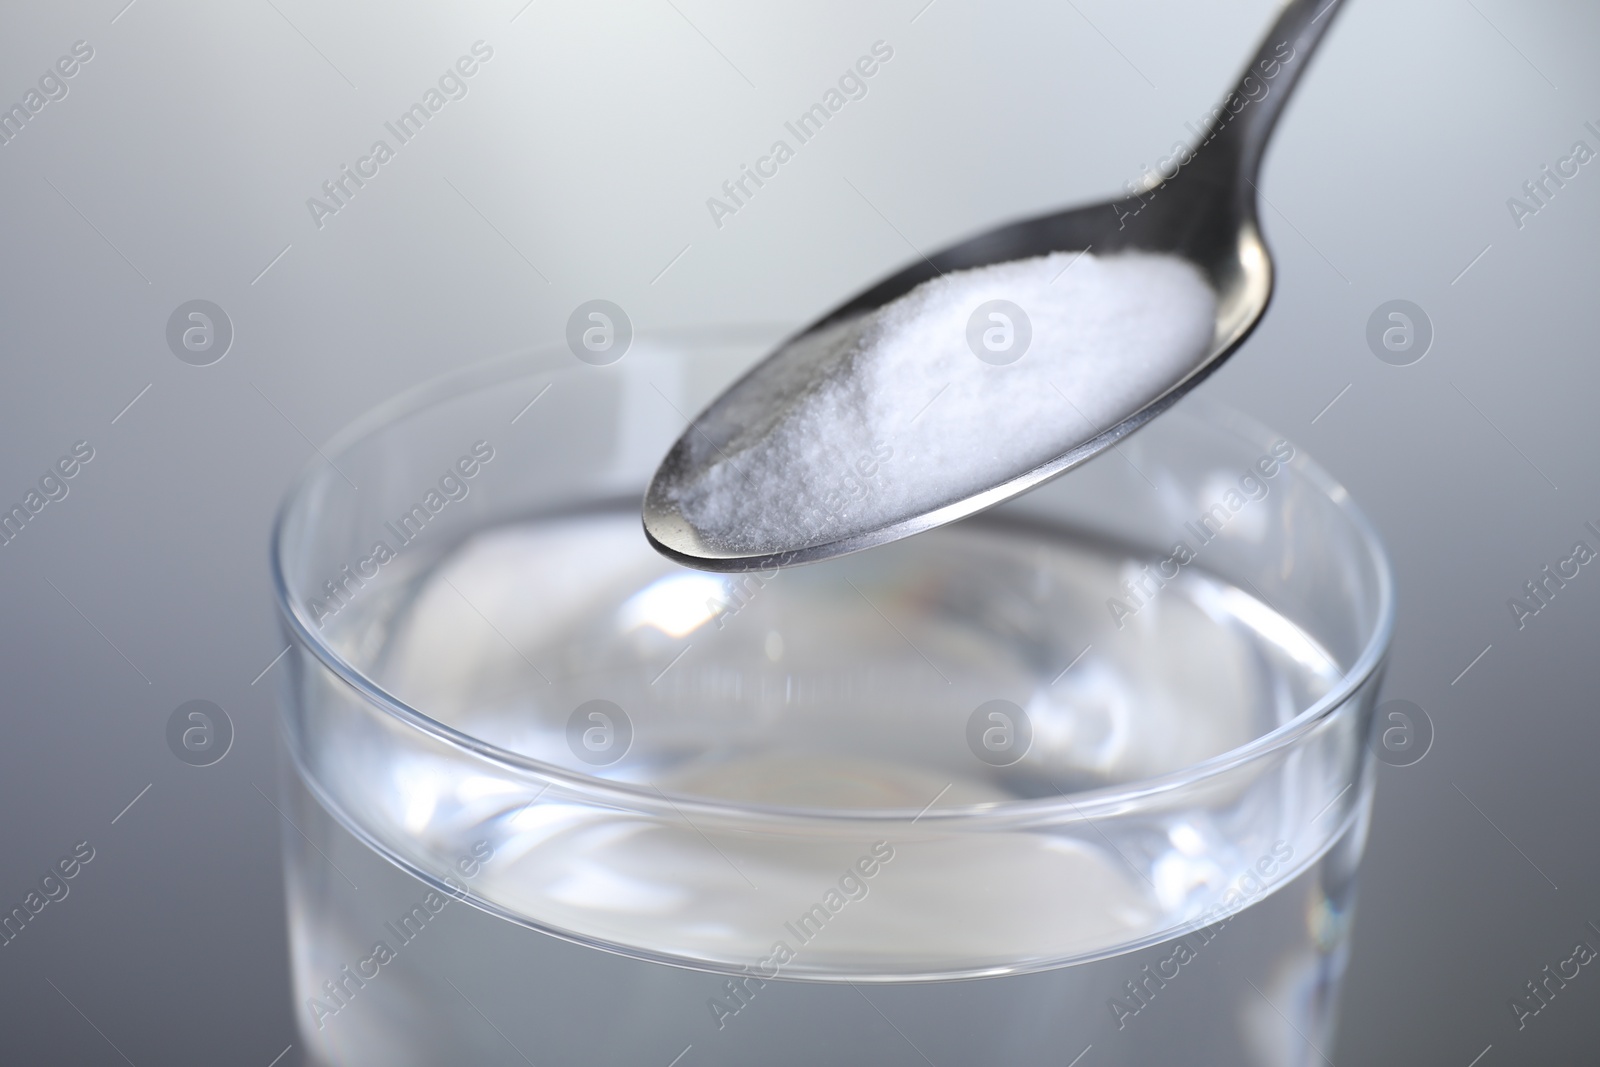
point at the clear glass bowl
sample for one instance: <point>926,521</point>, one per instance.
<point>1216,713</point>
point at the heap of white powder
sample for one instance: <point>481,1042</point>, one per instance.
<point>926,400</point>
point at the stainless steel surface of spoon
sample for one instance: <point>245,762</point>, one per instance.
<point>1203,209</point>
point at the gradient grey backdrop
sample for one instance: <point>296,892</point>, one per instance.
<point>178,167</point>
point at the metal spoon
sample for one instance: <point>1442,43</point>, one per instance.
<point>1205,213</point>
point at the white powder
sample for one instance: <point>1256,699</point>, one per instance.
<point>893,414</point>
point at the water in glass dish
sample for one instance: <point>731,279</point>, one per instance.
<point>980,668</point>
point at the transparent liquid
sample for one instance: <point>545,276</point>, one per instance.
<point>848,685</point>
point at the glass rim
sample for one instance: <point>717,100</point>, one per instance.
<point>1014,814</point>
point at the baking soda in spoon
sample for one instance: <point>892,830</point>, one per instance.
<point>953,388</point>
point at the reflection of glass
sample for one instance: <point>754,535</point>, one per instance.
<point>1101,751</point>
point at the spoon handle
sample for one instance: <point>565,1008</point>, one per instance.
<point>1243,122</point>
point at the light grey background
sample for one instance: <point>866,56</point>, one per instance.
<point>578,165</point>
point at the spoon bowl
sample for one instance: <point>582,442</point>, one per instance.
<point>1201,209</point>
